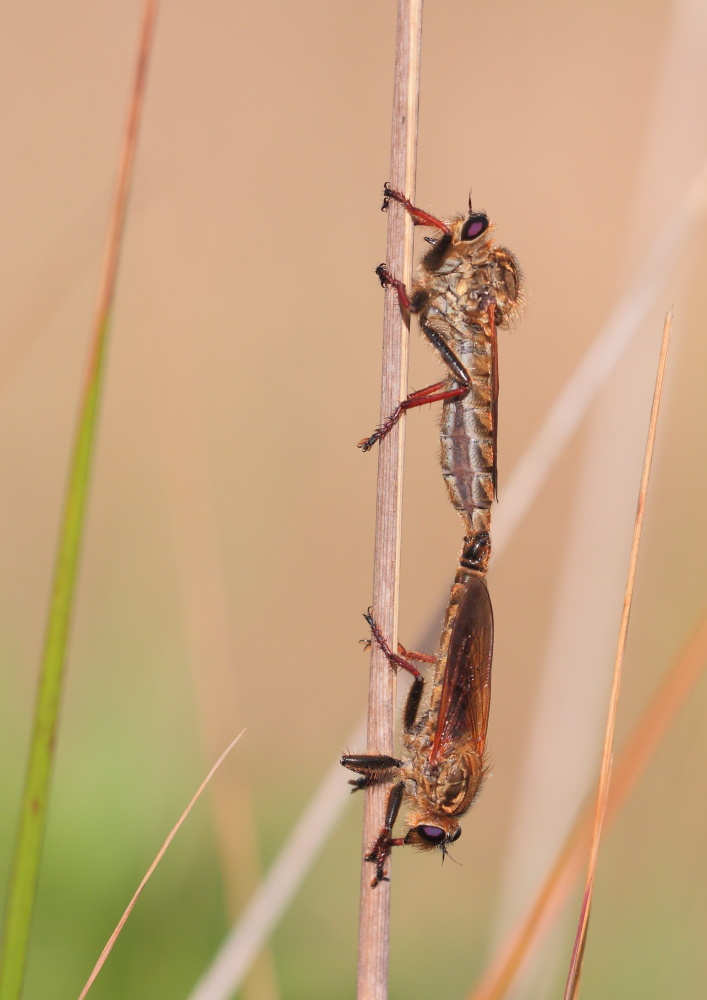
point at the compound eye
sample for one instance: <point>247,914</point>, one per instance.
<point>431,834</point>
<point>474,226</point>
<point>455,836</point>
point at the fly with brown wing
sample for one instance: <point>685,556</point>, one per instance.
<point>467,286</point>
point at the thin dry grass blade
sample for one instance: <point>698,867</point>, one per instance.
<point>654,723</point>
<point>160,854</point>
<point>374,922</point>
<point>34,807</point>
<point>226,972</point>
<point>573,977</point>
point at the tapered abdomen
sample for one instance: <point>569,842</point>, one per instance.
<point>467,439</point>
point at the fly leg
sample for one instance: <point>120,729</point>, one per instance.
<point>415,303</point>
<point>432,393</point>
<point>371,766</point>
<point>415,694</point>
<point>407,303</point>
<point>418,216</point>
<point>420,657</point>
<point>383,843</point>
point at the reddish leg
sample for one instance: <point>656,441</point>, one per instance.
<point>407,653</point>
<point>380,850</point>
<point>414,697</point>
<point>418,216</point>
<point>431,393</point>
<point>392,657</point>
<point>420,657</point>
<point>388,281</point>
<point>418,398</point>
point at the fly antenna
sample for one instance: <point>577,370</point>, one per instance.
<point>469,201</point>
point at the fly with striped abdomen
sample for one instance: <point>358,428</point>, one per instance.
<point>466,288</point>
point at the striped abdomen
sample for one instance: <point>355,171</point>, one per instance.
<point>467,442</point>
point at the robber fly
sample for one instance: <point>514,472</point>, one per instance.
<point>447,744</point>
<point>466,288</point>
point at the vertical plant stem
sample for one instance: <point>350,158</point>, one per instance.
<point>35,798</point>
<point>375,903</point>
<point>575,970</point>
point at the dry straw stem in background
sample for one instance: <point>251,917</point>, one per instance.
<point>575,970</point>
<point>527,935</point>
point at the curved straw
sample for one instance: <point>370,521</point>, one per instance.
<point>562,421</point>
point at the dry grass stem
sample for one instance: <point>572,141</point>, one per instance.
<point>654,723</point>
<point>375,904</point>
<point>223,978</point>
<point>572,986</point>
<point>160,854</point>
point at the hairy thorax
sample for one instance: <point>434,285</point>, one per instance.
<point>445,788</point>
<point>460,288</point>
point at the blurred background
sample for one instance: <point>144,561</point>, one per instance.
<point>229,551</point>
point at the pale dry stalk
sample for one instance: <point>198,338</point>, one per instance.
<point>375,903</point>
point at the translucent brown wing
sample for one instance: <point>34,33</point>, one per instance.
<point>494,405</point>
<point>506,285</point>
<point>466,688</point>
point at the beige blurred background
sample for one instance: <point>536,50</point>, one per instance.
<point>228,557</point>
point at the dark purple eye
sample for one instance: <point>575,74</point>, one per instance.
<point>432,834</point>
<point>455,836</point>
<point>474,226</point>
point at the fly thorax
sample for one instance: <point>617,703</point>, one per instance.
<point>447,266</point>
<point>407,772</point>
<point>456,783</point>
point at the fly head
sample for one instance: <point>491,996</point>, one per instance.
<point>428,836</point>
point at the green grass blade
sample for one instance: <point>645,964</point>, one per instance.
<point>35,797</point>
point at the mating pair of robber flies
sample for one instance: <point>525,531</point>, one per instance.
<point>466,288</point>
